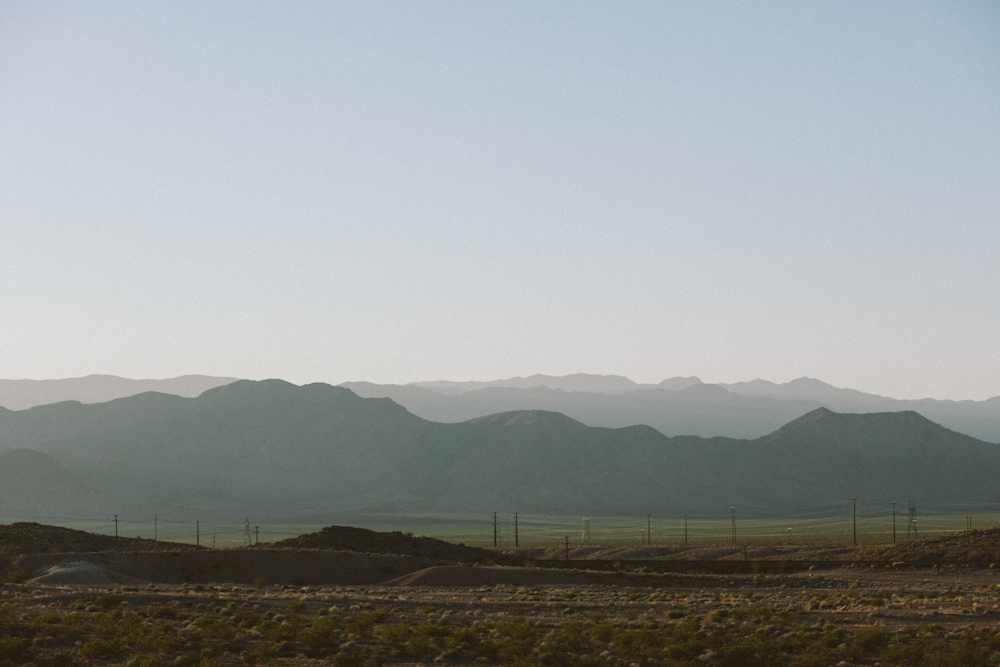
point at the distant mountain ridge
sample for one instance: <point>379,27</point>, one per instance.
<point>24,394</point>
<point>601,384</point>
<point>273,449</point>
<point>676,406</point>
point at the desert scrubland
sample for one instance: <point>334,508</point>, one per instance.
<point>423,601</point>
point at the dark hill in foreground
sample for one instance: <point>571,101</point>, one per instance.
<point>34,538</point>
<point>274,450</point>
<point>361,540</point>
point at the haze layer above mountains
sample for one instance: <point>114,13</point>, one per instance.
<point>273,449</point>
<point>675,406</point>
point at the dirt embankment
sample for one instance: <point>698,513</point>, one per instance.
<point>237,566</point>
<point>36,538</point>
<point>464,576</point>
<point>336,555</point>
<point>976,546</point>
<point>701,552</point>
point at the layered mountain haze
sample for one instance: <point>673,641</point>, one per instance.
<point>22,394</point>
<point>601,384</point>
<point>273,449</point>
<point>676,406</point>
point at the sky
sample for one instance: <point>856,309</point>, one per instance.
<point>397,192</point>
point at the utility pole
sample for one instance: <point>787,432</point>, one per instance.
<point>648,524</point>
<point>155,535</point>
<point>516,544</point>
<point>247,541</point>
<point>567,548</point>
<point>258,535</point>
<point>685,529</point>
<point>197,533</point>
<point>893,522</point>
<point>494,530</point>
<point>116,526</point>
<point>733,512</point>
<point>968,523</point>
<point>855,501</point>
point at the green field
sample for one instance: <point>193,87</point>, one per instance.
<point>821,527</point>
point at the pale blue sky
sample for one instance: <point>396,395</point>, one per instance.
<point>459,190</point>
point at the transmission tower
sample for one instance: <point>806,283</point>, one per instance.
<point>585,538</point>
<point>247,535</point>
<point>911,522</point>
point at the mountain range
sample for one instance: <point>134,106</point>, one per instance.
<point>274,449</point>
<point>23,394</point>
<point>675,406</point>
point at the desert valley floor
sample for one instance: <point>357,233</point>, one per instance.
<point>361,598</point>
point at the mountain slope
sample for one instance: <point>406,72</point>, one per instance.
<point>34,485</point>
<point>275,449</point>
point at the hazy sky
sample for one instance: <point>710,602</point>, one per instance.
<point>399,191</point>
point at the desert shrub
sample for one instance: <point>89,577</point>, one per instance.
<point>145,661</point>
<point>922,651</point>
<point>641,644</point>
<point>163,611</point>
<point>14,577</point>
<point>601,632</point>
<point>246,618</point>
<point>833,638</point>
<point>108,601</point>
<point>517,629</point>
<point>880,599</point>
<point>744,647</point>
<point>432,629</point>
<point>287,630</point>
<point>324,633</point>
<point>100,649</point>
<point>14,650</point>
<point>214,629</point>
<point>870,638</point>
<point>261,653</point>
<point>362,624</point>
<point>420,648</point>
<point>348,659</point>
<point>63,658</point>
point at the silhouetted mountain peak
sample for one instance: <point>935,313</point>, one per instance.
<point>527,418</point>
<point>824,424</point>
<point>251,387</point>
<point>808,382</point>
<point>678,383</point>
<point>704,390</point>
